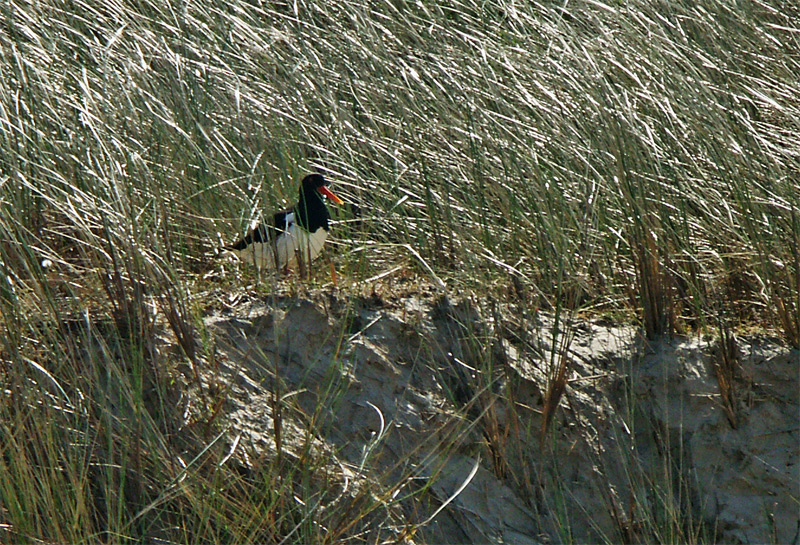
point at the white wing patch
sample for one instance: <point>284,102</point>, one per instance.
<point>295,242</point>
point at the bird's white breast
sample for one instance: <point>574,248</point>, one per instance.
<point>293,244</point>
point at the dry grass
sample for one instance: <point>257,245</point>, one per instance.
<point>725,362</point>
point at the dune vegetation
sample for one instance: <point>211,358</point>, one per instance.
<point>632,160</point>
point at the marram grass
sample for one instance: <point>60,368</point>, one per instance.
<point>604,157</point>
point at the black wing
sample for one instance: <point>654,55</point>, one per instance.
<point>264,233</point>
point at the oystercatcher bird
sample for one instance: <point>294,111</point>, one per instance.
<point>295,236</point>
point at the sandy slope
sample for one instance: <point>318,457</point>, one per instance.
<point>399,397</point>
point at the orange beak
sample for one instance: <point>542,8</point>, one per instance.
<point>328,193</point>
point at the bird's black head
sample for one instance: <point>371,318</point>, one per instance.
<point>311,210</point>
<point>315,185</point>
<point>312,182</point>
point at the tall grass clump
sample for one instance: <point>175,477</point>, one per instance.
<point>655,134</point>
<point>611,157</point>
